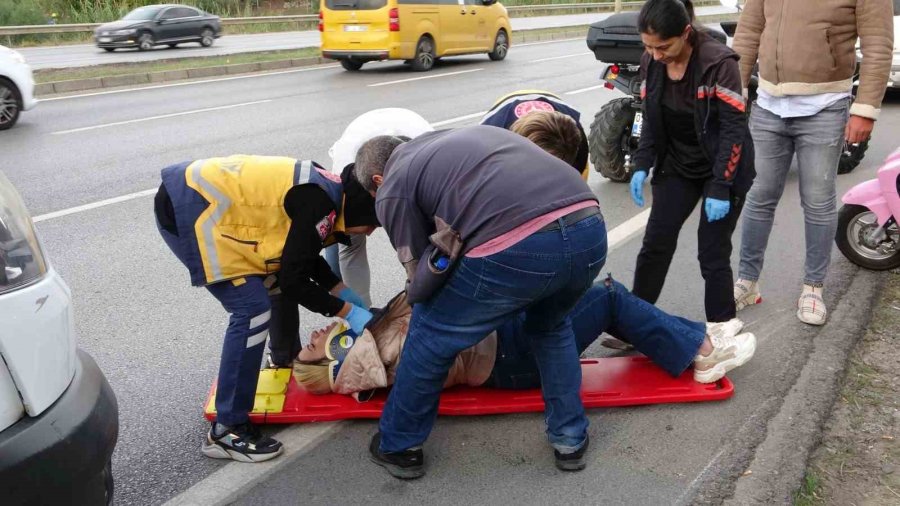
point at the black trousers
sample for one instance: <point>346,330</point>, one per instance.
<point>284,328</point>
<point>674,199</point>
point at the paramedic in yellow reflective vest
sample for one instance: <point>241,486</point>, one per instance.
<point>510,108</point>
<point>250,229</point>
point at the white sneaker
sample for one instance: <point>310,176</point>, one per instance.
<point>724,329</point>
<point>746,293</point>
<point>729,351</point>
<point>811,307</point>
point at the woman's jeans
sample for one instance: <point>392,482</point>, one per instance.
<point>543,276</point>
<point>817,141</point>
<point>670,341</point>
<point>674,200</point>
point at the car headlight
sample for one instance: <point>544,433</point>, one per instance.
<point>123,32</point>
<point>21,259</point>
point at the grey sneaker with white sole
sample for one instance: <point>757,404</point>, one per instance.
<point>243,443</point>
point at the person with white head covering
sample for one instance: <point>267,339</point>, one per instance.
<point>351,262</point>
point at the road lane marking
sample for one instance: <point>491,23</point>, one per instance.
<point>546,42</point>
<point>625,231</point>
<point>235,478</point>
<point>458,119</point>
<point>582,90</point>
<point>559,57</point>
<point>163,116</point>
<point>191,83</point>
<point>152,191</point>
<point>434,76</point>
<point>94,205</point>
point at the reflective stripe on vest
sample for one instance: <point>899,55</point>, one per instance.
<point>243,230</point>
<point>208,219</point>
<point>302,177</point>
<point>501,107</point>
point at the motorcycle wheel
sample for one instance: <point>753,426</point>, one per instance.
<point>610,138</point>
<point>854,223</point>
<point>852,156</point>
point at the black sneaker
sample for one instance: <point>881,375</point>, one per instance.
<point>243,443</point>
<point>572,461</point>
<point>406,465</point>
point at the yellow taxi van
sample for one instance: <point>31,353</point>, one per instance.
<point>418,31</point>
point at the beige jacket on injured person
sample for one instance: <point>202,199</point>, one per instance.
<point>807,47</point>
<point>372,361</point>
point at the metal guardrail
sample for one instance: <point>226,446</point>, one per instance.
<point>309,18</point>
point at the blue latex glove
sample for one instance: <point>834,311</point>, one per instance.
<point>637,187</point>
<point>348,295</point>
<point>716,209</point>
<point>358,318</point>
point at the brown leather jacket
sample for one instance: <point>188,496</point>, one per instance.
<point>807,47</point>
<point>372,361</point>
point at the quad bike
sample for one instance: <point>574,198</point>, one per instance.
<point>867,232</point>
<point>615,132</point>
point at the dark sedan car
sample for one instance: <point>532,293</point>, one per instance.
<point>155,25</point>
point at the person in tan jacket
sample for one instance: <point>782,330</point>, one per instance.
<point>807,61</point>
<point>335,361</point>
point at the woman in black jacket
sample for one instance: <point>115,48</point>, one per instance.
<point>696,138</point>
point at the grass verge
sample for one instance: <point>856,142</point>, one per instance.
<point>858,461</point>
<point>51,75</point>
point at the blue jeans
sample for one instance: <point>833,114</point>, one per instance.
<point>247,300</point>
<point>543,276</point>
<point>817,141</point>
<point>670,341</point>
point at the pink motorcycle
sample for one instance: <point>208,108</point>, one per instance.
<point>868,233</point>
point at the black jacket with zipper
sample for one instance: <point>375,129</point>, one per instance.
<point>720,118</point>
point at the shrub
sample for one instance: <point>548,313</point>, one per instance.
<point>21,12</point>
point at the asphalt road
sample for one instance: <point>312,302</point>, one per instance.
<point>81,55</point>
<point>158,339</point>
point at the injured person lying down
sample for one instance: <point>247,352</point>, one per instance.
<point>336,361</point>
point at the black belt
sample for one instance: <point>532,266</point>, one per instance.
<point>572,218</point>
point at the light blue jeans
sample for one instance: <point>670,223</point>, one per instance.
<point>817,141</point>
<point>351,264</point>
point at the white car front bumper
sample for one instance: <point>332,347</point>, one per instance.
<point>21,75</point>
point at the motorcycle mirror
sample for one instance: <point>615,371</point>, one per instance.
<point>733,4</point>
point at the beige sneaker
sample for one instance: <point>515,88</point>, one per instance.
<point>723,329</point>
<point>729,351</point>
<point>811,307</point>
<point>746,293</point>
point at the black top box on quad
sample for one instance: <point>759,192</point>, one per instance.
<point>616,129</point>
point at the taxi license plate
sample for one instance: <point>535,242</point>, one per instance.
<point>105,39</point>
<point>355,28</point>
<point>637,125</point>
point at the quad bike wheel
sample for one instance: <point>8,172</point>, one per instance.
<point>610,139</point>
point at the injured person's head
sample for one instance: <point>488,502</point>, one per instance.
<point>311,368</point>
